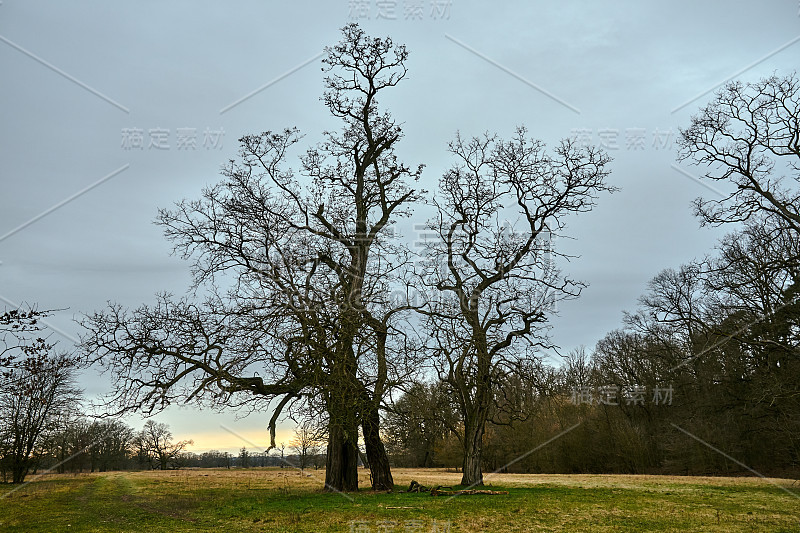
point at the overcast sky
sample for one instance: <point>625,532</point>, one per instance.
<point>111,110</point>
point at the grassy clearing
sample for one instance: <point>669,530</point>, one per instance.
<point>284,500</point>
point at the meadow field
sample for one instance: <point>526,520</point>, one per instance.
<point>286,500</point>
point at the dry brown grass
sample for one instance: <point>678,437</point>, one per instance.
<point>274,499</point>
<point>441,476</point>
<point>311,479</point>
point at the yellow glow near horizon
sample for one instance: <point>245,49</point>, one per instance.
<point>223,441</point>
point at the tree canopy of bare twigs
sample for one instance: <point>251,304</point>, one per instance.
<point>749,137</point>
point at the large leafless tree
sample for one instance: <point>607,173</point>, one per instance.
<point>310,263</point>
<point>490,281</point>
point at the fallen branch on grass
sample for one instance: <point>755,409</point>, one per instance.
<point>416,487</point>
<point>437,490</point>
<point>400,507</point>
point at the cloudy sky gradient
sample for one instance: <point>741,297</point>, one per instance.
<point>80,79</point>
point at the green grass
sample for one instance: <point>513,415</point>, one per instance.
<point>279,500</point>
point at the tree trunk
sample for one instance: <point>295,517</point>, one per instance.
<point>472,474</point>
<point>427,460</point>
<point>19,472</point>
<point>341,469</point>
<point>342,402</point>
<point>378,460</point>
<point>21,465</point>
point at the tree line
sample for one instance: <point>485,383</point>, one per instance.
<point>66,442</point>
<point>42,428</point>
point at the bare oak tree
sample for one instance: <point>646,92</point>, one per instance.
<point>43,388</point>
<point>155,442</point>
<point>490,280</point>
<point>306,444</point>
<point>307,317</point>
<point>36,387</point>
